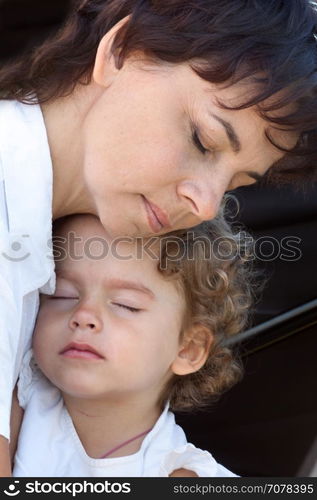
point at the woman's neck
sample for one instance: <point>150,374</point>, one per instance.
<point>63,119</point>
<point>103,425</point>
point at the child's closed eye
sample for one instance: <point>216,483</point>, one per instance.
<point>125,306</point>
<point>63,297</point>
<point>61,293</point>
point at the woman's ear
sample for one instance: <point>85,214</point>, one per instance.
<point>193,351</point>
<point>105,68</point>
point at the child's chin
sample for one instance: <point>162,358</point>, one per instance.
<point>79,388</point>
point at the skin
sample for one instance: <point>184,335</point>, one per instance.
<point>129,135</point>
<point>108,401</point>
<point>5,467</point>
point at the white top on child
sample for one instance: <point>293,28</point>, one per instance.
<point>50,447</point>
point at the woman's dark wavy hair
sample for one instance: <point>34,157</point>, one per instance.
<point>272,43</point>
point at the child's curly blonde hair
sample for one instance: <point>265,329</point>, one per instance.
<point>212,264</point>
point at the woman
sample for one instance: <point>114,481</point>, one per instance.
<point>143,113</point>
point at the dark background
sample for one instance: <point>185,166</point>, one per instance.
<point>266,425</point>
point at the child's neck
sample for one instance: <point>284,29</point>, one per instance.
<point>102,425</point>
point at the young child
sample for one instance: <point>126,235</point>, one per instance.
<point>125,339</point>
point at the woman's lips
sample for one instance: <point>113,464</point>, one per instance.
<point>80,351</point>
<point>157,218</point>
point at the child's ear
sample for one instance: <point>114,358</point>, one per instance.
<point>193,351</point>
<point>105,67</point>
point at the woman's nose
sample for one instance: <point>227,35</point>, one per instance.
<point>203,199</point>
<point>85,319</point>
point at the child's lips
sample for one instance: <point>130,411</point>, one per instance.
<point>80,351</point>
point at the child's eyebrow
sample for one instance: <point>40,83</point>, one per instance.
<point>132,285</point>
<point>66,275</point>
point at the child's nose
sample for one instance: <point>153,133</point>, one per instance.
<point>85,319</point>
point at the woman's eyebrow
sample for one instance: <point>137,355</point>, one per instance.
<point>131,285</point>
<point>231,133</point>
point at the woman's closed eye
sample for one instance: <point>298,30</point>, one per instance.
<point>198,143</point>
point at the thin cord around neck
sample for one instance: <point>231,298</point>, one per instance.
<point>125,443</point>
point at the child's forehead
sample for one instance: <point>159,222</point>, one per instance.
<point>82,247</point>
<point>112,276</point>
<point>81,226</point>
<point>84,252</point>
<point>83,237</point>
<point>82,258</point>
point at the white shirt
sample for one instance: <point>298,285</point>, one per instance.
<point>49,446</point>
<point>26,261</point>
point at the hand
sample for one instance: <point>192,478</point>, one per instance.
<point>183,473</point>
